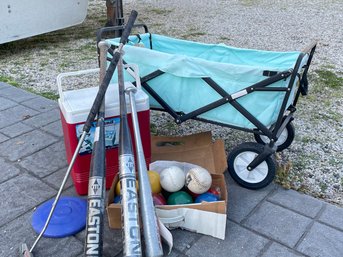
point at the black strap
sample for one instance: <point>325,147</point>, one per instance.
<point>269,73</point>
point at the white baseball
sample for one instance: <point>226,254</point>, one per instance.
<point>172,179</point>
<point>198,180</point>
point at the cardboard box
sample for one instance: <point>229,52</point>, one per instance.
<point>197,149</point>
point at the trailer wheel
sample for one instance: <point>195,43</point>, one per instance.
<point>284,141</point>
<point>238,160</point>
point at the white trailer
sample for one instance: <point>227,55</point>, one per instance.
<point>25,18</point>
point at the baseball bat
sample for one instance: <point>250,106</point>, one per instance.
<point>96,184</point>
<point>153,245</point>
<point>127,176</point>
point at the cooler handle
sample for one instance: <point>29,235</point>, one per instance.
<point>133,70</point>
<point>70,74</point>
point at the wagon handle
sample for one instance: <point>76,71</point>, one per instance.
<point>101,31</point>
<point>309,47</point>
<point>308,50</point>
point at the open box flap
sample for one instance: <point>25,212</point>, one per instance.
<point>197,149</point>
<point>199,221</point>
<point>218,149</point>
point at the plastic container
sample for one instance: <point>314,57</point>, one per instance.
<point>74,108</point>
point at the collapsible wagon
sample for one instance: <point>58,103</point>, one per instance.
<point>251,90</point>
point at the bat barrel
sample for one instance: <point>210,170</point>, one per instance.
<point>96,184</point>
<point>153,246</point>
<point>127,176</point>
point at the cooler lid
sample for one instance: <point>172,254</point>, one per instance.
<point>76,104</point>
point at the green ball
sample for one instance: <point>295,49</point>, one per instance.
<point>179,197</point>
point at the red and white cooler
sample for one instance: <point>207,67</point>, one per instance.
<point>74,108</point>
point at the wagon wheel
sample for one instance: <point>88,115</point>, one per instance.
<point>285,139</point>
<point>238,160</point>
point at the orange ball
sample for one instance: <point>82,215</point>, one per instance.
<point>154,179</point>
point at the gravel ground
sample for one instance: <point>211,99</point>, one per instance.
<point>314,162</point>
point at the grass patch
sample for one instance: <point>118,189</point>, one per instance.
<point>153,129</point>
<point>49,95</point>
<point>171,125</point>
<point>323,187</point>
<point>224,38</point>
<point>335,116</point>
<point>195,34</point>
<point>301,162</point>
<point>46,94</point>
<point>249,2</point>
<point>328,116</point>
<point>329,78</point>
<point>159,11</point>
<point>9,80</point>
<point>89,48</point>
<point>306,139</point>
<point>166,128</point>
<point>192,33</point>
<point>328,66</point>
<point>64,65</point>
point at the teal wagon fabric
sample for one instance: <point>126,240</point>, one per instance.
<point>185,63</point>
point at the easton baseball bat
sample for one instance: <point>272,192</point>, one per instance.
<point>127,176</point>
<point>96,184</point>
<point>152,238</point>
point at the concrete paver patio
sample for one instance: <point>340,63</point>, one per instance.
<point>271,222</point>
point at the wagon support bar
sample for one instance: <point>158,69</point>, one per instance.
<point>259,86</point>
<point>304,82</point>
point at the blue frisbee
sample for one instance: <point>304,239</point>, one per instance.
<point>68,218</point>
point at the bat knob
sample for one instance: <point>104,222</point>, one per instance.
<point>103,43</point>
<point>131,89</point>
